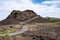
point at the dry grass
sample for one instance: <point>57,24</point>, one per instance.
<point>41,25</point>
<point>10,28</point>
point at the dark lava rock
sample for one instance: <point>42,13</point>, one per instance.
<point>17,16</point>
<point>43,33</point>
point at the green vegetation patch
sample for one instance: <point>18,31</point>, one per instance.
<point>5,36</point>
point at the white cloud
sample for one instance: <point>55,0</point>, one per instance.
<point>41,9</point>
<point>51,3</point>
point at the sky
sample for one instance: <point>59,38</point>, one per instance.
<point>44,8</point>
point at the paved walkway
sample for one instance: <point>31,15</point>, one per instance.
<point>24,28</point>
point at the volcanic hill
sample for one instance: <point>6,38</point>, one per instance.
<point>17,16</point>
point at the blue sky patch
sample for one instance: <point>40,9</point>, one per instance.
<point>42,7</point>
<point>40,1</point>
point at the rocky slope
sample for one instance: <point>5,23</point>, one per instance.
<point>42,32</point>
<point>17,16</point>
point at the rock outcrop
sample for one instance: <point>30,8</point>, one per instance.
<point>17,16</point>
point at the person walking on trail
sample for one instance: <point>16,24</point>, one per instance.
<point>23,23</point>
